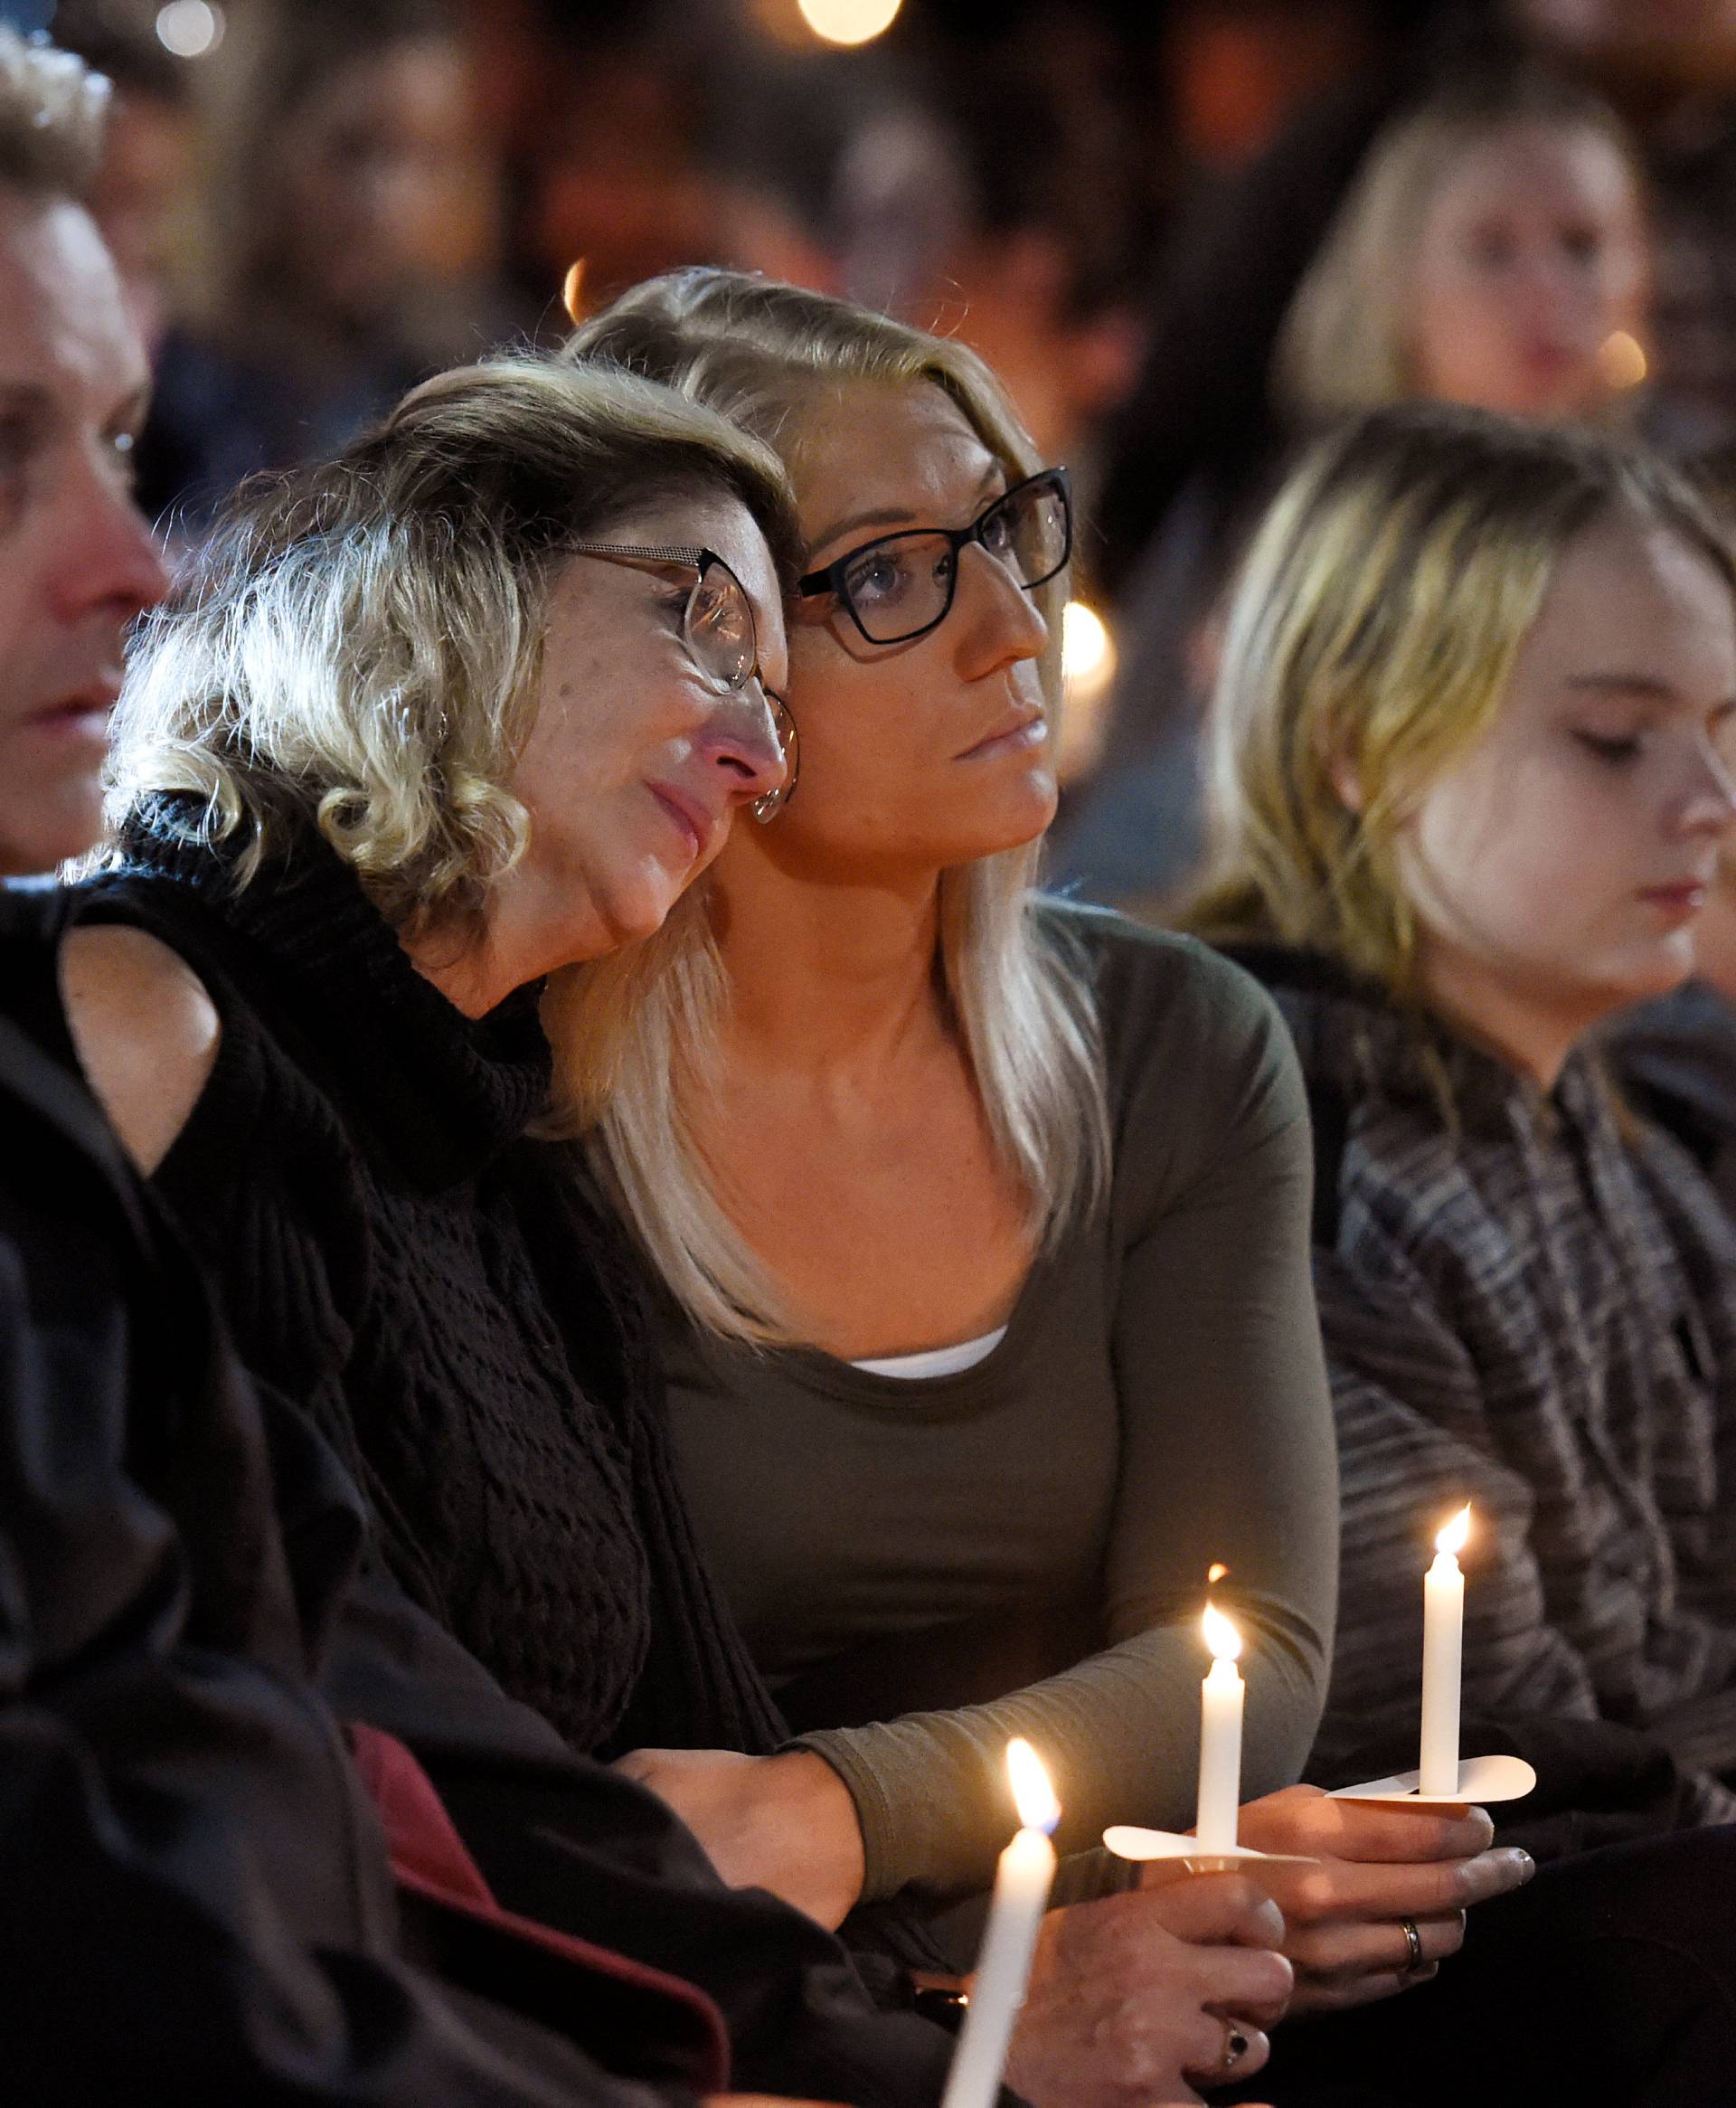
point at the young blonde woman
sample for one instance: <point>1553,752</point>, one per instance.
<point>1494,250</point>
<point>1475,729</point>
<point>983,1228</point>
<point>1478,713</point>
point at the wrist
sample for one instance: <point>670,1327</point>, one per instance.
<point>812,1797</point>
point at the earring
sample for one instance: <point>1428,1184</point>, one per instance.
<point>773,802</point>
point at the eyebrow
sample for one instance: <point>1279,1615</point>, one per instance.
<point>1648,686</point>
<point>1638,688</point>
<point>891,516</point>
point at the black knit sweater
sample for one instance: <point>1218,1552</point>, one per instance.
<point>397,1255</point>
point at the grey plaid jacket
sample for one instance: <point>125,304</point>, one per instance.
<point>1528,1301</point>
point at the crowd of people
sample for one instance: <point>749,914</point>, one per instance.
<point>605,1287</point>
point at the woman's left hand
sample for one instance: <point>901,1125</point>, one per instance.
<point>786,1823</point>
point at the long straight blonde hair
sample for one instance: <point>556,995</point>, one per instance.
<point>1372,630</point>
<point>1021,995</point>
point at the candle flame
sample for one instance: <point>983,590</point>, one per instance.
<point>572,291</point>
<point>1453,1538</point>
<point>1216,1571</point>
<point>1032,1795</point>
<point>1220,1636</point>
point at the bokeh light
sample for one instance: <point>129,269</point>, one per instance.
<point>1622,361</point>
<point>190,28</point>
<point>1087,671</point>
<point>849,22</point>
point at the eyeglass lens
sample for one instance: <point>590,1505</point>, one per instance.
<point>904,584</point>
<point>720,626</point>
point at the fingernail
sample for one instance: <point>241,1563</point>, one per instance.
<point>1526,1865</point>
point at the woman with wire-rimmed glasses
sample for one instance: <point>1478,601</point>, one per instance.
<point>982,1223</point>
<point>433,730</point>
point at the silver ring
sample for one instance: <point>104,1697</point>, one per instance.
<point>1413,1942</point>
<point>1235,2046</point>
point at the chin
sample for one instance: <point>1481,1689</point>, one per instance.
<point>1019,813</point>
<point>1642,979</point>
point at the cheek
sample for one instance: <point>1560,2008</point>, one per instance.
<point>1532,846</point>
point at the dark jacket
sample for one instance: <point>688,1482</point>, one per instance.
<point>195,1900</point>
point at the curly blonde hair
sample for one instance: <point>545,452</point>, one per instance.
<point>357,646</point>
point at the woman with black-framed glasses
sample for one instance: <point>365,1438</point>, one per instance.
<point>982,1223</point>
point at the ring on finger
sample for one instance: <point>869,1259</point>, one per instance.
<point>1235,2046</point>
<point>1413,1946</point>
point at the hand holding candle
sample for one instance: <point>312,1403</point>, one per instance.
<point>1443,1636</point>
<point>1023,1879</point>
<point>1221,1703</point>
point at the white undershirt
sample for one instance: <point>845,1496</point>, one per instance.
<point>936,1361</point>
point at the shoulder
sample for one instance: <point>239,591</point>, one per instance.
<point>1161,995</point>
<point>146,1029</point>
<point>1199,1069</point>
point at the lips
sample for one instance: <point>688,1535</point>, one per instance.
<point>692,819</point>
<point>1024,728</point>
<point>81,715</point>
<point>1687,897</point>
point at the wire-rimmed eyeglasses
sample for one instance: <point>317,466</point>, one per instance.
<point>901,586</point>
<point>717,629</point>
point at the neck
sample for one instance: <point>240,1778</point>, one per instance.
<point>827,976</point>
<point>465,967</point>
<point>525,931</point>
<point>1523,1029</point>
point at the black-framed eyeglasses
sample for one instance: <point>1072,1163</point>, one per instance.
<point>901,586</point>
<point>718,632</point>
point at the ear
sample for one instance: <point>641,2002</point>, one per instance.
<point>1345,781</point>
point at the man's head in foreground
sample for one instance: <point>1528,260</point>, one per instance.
<point>77,561</point>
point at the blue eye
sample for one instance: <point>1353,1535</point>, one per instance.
<point>880,578</point>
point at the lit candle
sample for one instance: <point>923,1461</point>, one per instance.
<point>1023,1879</point>
<point>1443,1636</point>
<point>1220,1700</point>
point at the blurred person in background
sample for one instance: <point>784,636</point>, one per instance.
<point>1671,70</point>
<point>356,225</point>
<point>1492,251</point>
<point>143,197</point>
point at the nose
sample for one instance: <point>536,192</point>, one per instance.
<point>998,622</point>
<point>740,741</point>
<point>111,565</point>
<point>1709,802</point>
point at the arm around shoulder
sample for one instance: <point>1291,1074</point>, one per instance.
<point>146,1029</point>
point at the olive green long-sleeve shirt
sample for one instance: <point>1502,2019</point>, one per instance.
<point>1158,1402</point>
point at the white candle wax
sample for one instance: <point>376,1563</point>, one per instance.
<point>1443,1639</point>
<point>1220,1702</point>
<point>1023,1878</point>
